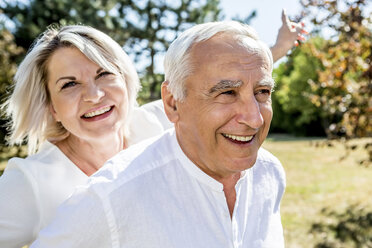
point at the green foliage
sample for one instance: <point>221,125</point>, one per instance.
<point>31,18</point>
<point>8,54</point>
<point>293,111</point>
<point>343,89</point>
<point>326,84</point>
<point>147,94</point>
<point>352,228</point>
<point>144,28</point>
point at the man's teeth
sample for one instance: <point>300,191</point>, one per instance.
<point>238,138</point>
<point>97,112</point>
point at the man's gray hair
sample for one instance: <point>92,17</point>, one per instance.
<point>177,61</point>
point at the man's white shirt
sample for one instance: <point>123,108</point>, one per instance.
<point>152,195</point>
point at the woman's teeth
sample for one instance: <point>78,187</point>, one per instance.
<point>238,138</point>
<point>97,112</point>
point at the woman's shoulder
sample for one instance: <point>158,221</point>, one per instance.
<point>147,121</point>
<point>51,174</point>
<point>47,160</point>
<point>45,155</point>
<point>156,108</point>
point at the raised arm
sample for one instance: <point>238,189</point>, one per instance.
<point>288,35</point>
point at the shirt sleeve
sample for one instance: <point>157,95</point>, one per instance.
<point>146,121</point>
<point>157,109</point>
<point>80,222</point>
<point>19,212</point>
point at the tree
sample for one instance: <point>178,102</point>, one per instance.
<point>344,87</point>
<point>144,28</point>
<point>293,110</point>
<point>8,54</point>
<point>156,25</point>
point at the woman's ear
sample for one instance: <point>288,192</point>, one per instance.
<point>53,112</point>
<point>170,103</point>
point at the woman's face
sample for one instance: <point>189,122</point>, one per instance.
<point>89,101</point>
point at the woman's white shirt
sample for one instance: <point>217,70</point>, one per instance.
<point>31,189</point>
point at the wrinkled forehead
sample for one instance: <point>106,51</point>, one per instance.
<point>225,48</point>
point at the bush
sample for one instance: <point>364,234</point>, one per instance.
<point>352,228</point>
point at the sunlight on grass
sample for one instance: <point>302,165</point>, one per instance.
<point>318,178</point>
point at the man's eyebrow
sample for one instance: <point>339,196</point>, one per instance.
<point>225,84</point>
<point>267,82</point>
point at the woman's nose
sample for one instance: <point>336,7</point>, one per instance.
<point>93,92</point>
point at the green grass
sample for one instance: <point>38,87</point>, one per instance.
<point>318,178</point>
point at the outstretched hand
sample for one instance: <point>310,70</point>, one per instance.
<point>289,35</point>
<point>290,32</point>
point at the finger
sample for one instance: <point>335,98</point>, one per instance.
<point>284,16</point>
<point>303,31</point>
<point>301,38</point>
<point>299,29</point>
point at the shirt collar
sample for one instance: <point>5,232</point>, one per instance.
<point>191,168</point>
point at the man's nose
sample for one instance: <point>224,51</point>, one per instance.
<point>249,113</point>
<point>93,92</point>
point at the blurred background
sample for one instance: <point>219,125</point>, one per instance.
<point>321,130</point>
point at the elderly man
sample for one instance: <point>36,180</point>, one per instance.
<point>205,183</point>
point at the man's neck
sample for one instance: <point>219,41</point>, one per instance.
<point>229,190</point>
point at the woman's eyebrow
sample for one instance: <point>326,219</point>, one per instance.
<point>67,77</point>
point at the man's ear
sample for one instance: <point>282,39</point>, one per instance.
<point>170,104</point>
<point>53,112</point>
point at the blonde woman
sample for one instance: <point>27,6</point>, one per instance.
<point>73,102</point>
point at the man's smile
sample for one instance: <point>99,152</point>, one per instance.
<point>239,138</point>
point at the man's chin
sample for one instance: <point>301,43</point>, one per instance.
<point>241,164</point>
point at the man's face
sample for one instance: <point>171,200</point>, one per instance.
<point>227,111</point>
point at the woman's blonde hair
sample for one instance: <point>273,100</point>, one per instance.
<point>28,105</point>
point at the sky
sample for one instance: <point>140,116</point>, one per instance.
<point>268,19</point>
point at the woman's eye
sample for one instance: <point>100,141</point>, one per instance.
<point>104,73</point>
<point>68,84</point>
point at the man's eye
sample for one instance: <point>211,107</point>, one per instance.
<point>228,92</point>
<point>264,91</point>
<point>68,84</point>
<point>263,95</point>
